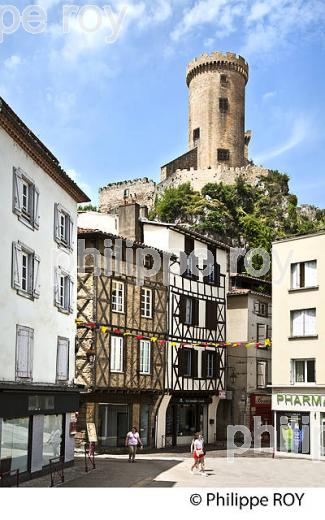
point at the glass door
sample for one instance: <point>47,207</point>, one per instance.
<point>145,424</point>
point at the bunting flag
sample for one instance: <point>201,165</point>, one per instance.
<point>104,329</point>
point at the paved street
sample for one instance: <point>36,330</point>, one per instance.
<point>169,470</point>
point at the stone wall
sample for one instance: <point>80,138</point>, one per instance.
<point>199,178</point>
<point>114,195</point>
<point>184,162</point>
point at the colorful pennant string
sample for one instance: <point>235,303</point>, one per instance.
<point>116,331</point>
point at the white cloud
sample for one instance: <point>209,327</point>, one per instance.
<point>269,95</point>
<point>299,133</point>
<point>12,62</point>
<point>202,12</point>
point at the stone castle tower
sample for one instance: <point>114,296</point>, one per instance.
<point>218,143</point>
<point>217,109</point>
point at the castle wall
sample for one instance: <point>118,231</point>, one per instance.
<point>116,194</point>
<point>199,178</point>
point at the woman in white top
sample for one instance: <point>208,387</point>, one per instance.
<point>132,441</point>
<point>197,448</point>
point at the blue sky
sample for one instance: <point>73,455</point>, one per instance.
<point>113,111</point>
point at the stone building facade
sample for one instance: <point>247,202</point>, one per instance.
<point>218,142</point>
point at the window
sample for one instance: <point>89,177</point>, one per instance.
<point>262,332</point>
<point>24,352</point>
<point>303,323</point>
<point>116,363</point>
<point>303,371</point>
<point>25,271</point>
<point>63,225</point>
<point>223,105</point>
<point>187,362</point>
<point>63,291</point>
<point>223,154</point>
<point>214,274</point>
<point>189,311</point>
<point>148,261</point>
<point>52,437</point>
<point>261,308</point>
<point>210,364</point>
<point>25,199</point>
<point>62,365</point>
<point>261,374</point>
<point>304,275</point>
<point>126,193</point>
<point>189,268</point>
<point>223,80</point>
<point>146,303</point>
<point>145,348</point>
<point>196,137</point>
<point>118,297</point>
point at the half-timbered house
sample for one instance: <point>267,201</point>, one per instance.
<point>196,356</point>
<point>121,343</point>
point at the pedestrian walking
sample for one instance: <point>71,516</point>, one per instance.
<point>197,448</point>
<point>132,442</point>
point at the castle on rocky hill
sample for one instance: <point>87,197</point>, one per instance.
<point>218,142</point>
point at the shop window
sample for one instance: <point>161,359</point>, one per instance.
<point>293,432</point>
<point>113,425</point>
<point>187,419</point>
<point>303,371</point>
<point>304,275</point>
<point>303,323</point>
<point>52,438</point>
<point>14,444</point>
<point>223,155</point>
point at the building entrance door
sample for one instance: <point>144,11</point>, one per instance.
<point>145,424</point>
<point>322,431</point>
<point>122,428</point>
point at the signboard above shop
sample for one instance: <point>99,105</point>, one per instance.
<point>300,401</point>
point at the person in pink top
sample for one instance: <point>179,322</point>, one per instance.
<point>132,441</point>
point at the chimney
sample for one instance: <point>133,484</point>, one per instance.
<point>144,212</point>
<point>128,222</point>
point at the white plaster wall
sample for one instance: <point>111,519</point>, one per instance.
<point>40,314</point>
<point>102,221</point>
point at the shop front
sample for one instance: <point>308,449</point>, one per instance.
<point>261,407</point>
<point>114,415</point>
<point>299,424</point>
<point>186,416</point>
<point>35,428</point>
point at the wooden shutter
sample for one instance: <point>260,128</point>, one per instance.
<point>63,360</point>
<point>35,195</point>
<point>57,212</point>
<point>195,358</point>
<point>16,269</point>
<point>216,365</point>
<point>181,361</point>
<point>71,294</point>
<point>152,303</point>
<point>211,315</point>
<point>204,364</point>
<point>57,273</point>
<point>182,308</point>
<point>70,231</point>
<point>195,312</point>
<point>256,307</point>
<point>25,339</point>
<point>36,282</point>
<point>217,275</point>
<point>17,192</point>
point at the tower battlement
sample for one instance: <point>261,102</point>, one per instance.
<point>217,61</point>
